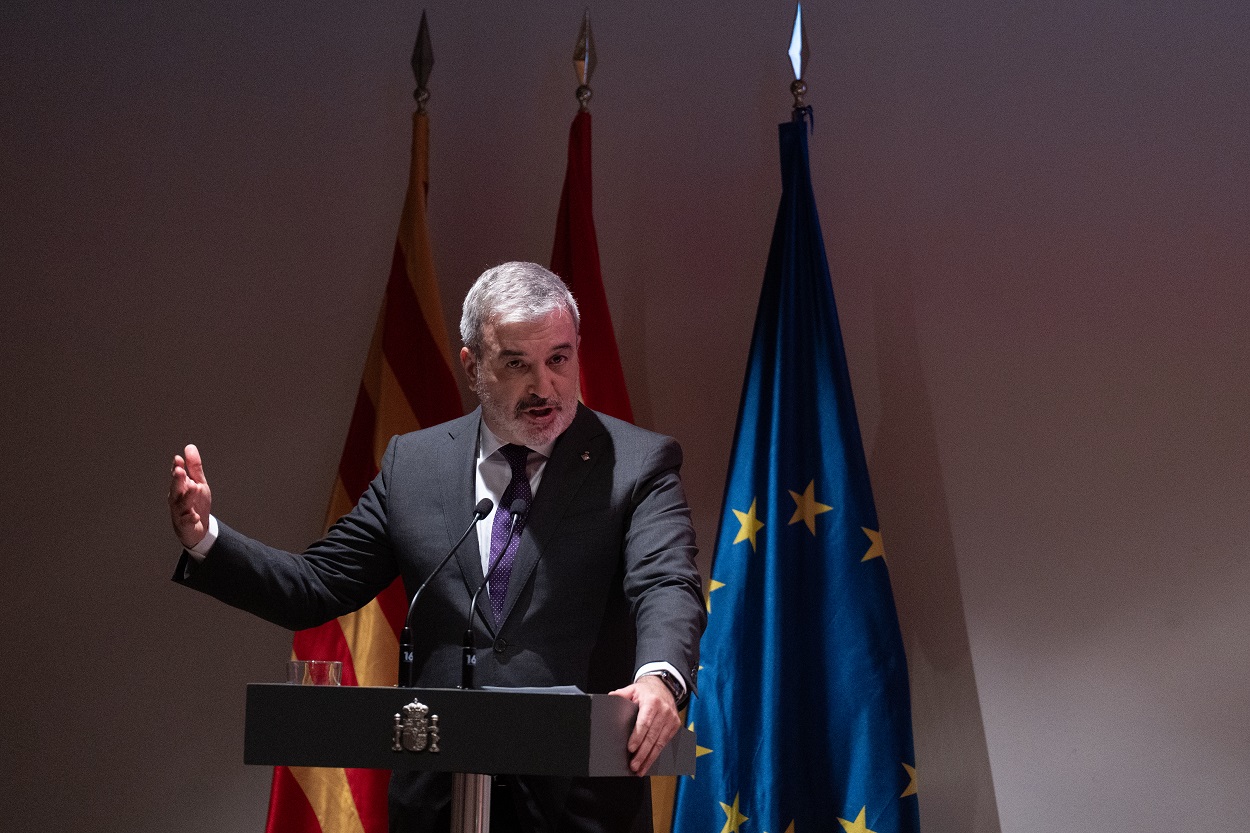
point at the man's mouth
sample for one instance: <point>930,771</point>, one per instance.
<point>536,410</point>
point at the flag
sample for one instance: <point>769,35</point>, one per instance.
<point>407,384</point>
<point>803,715</point>
<point>575,258</point>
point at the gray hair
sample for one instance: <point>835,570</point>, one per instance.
<point>511,292</point>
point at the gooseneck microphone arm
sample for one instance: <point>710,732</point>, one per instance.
<point>469,652</point>
<point>407,673</point>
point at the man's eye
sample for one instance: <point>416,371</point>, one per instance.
<point>515,363</point>
<point>559,359</point>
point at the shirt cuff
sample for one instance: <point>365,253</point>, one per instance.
<point>200,550</point>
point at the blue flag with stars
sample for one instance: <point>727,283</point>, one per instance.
<point>803,715</point>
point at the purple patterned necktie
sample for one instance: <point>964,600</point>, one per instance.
<point>519,487</point>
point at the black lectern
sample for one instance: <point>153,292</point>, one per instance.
<point>474,734</point>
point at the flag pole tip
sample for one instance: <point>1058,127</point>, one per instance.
<point>584,61</point>
<point>422,63</point>
<point>799,53</point>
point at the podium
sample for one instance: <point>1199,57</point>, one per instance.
<point>472,733</point>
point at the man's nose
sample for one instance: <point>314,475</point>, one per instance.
<point>541,381</point>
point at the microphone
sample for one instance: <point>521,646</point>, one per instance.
<point>406,671</point>
<point>469,655</point>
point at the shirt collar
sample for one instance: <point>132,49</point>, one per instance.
<point>488,443</point>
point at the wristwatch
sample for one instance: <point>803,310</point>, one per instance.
<point>673,685</point>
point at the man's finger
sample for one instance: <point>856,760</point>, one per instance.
<point>652,735</point>
<point>643,759</point>
<point>655,725</point>
<point>195,465</point>
<point>640,735</point>
<point>650,749</point>
<point>177,484</point>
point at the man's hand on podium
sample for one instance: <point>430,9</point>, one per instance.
<point>657,721</point>
<point>190,501</point>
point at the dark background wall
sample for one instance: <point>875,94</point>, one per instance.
<point>1036,216</point>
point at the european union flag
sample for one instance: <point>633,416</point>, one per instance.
<point>803,716</point>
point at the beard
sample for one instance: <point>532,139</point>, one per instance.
<point>509,421</point>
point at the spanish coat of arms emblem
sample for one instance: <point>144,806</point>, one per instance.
<point>415,729</point>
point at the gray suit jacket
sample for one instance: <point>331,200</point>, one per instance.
<point>604,581</point>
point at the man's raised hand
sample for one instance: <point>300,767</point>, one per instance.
<point>190,501</point>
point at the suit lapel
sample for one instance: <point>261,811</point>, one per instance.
<point>571,459</point>
<point>458,469</point>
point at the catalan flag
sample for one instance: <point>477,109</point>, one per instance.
<point>407,384</point>
<point>803,716</point>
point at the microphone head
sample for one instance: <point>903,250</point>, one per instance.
<point>483,508</point>
<point>519,507</point>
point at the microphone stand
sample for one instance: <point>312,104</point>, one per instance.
<point>407,673</point>
<point>469,651</point>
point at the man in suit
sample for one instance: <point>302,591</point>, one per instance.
<point>598,590</point>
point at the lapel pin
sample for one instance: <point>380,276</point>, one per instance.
<point>585,455</point>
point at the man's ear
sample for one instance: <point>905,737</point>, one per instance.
<point>469,362</point>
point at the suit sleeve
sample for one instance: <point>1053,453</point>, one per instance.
<point>338,574</point>
<point>662,582</point>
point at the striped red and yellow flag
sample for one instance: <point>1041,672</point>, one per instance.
<point>407,384</point>
<point>575,257</point>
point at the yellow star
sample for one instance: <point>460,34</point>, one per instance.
<point>700,751</point>
<point>733,818</point>
<point>857,826</point>
<point>789,829</point>
<point>750,526</point>
<point>911,787</point>
<point>877,550</point>
<point>806,507</point>
<point>712,587</point>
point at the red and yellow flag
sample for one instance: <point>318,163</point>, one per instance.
<point>407,384</point>
<point>575,257</point>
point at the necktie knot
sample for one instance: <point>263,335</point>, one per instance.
<point>517,457</point>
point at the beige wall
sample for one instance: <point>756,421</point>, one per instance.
<point>1036,217</point>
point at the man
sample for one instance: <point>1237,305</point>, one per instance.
<point>598,590</point>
